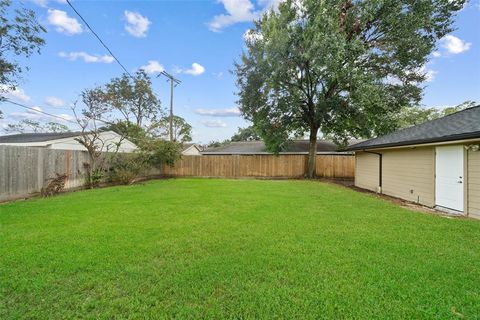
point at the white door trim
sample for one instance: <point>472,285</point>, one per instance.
<point>450,177</point>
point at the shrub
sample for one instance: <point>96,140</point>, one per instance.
<point>126,168</point>
<point>54,186</point>
<point>93,176</point>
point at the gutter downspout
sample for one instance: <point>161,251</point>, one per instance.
<point>380,168</point>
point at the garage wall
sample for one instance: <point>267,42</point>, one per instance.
<point>410,174</point>
<point>474,184</point>
<point>366,171</point>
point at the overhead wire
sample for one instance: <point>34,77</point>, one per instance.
<point>99,39</point>
<point>38,111</point>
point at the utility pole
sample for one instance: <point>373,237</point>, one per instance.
<point>173,83</point>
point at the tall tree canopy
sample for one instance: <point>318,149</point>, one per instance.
<point>246,134</point>
<point>341,67</point>
<point>134,99</point>
<point>182,131</point>
<point>20,36</point>
<point>415,115</point>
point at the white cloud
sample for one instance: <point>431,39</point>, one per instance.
<point>214,123</point>
<point>63,23</point>
<point>454,45</point>
<point>153,66</point>
<point>88,58</point>
<point>196,69</point>
<point>429,73</point>
<point>237,11</point>
<point>436,54</point>
<point>252,36</point>
<point>16,94</point>
<point>227,112</point>
<point>137,25</point>
<point>54,102</point>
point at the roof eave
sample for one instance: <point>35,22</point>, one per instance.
<point>462,136</point>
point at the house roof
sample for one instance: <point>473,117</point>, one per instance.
<point>36,137</point>
<point>258,147</point>
<point>186,146</point>
<point>460,125</point>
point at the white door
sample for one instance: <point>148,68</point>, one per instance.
<point>449,177</point>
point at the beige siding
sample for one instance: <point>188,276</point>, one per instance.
<point>410,174</point>
<point>474,184</point>
<point>367,171</point>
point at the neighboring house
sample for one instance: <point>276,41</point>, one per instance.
<point>436,163</point>
<point>191,149</point>
<point>258,148</point>
<point>66,141</point>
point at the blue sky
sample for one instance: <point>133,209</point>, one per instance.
<point>198,41</point>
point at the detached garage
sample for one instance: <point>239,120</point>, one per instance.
<point>436,164</point>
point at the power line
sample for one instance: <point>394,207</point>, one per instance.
<point>39,111</point>
<point>99,39</point>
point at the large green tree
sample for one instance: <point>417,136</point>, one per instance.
<point>182,130</point>
<point>133,98</point>
<point>341,67</point>
<point>415,115</point>
<point>20,37</point>
<point>246,134</point>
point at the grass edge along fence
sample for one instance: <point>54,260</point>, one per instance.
<point>331,166</point>
<point>24,171</point>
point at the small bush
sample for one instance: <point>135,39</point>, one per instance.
<point>54,186</point>
<point>93,177</point>
<point>126,168</point>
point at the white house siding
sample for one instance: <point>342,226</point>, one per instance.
<point>367,171</point>
<point>409,174</point>
<point>474,184</point>
<point>191,151</point>
<point>109,141</point>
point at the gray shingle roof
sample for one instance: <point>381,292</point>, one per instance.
<point>258,147</point>
<point>463,124</point>
<point>36,137</point>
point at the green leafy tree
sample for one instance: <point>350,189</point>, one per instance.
<point>182,131</point>
<point>28,125</point>
<point>158,153</point>
<point>344,68</point>
<point>246,134</point>
<point>216,144</point>
<point>460,107</point>
<point>129,130</point>
<point>20,37</point>
<point>134,99</point>
<point>53,126</point>
<point>415,115</point>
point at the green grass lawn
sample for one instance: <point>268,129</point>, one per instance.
<point>200,248</point>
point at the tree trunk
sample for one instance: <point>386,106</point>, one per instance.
<point>312,153</point>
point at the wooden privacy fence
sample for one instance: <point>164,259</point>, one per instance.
<point>24,170</point>
<point>339,166</point>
